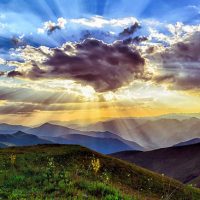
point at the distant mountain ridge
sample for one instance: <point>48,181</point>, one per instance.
<point>148,133</point>
<point>110,142</point>
<point>104,142</point>
<point>21,139</point>
<point>10,129</point>
<point>152,134</point>
<point>102,145</point>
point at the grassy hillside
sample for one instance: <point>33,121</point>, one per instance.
<point>179,162</point>
<point>74,172</point>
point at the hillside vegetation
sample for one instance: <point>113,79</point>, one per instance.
<point>74,172</point>
<point>179,162</point>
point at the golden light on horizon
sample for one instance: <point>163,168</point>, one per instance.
<point>69,101</point>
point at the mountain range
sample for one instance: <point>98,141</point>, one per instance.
<point>180,161</point>
<point>133,133</point>
<point>151,133</point>
<point>10,129</point>
<point>103,145</point>
<point>104,142</point>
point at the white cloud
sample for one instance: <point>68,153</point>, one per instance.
<point>93,22</point>
<point>40,30</point>
<point>171,33</point>
<point>99,22</point>
<point>50,26</point>
<point>2,61</point>
<point>61,22</point>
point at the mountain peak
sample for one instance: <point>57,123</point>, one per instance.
<point>18,133</point>
<point>5,124</point>
<point>48,124</point>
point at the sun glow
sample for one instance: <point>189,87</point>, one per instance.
<point>88,92</point>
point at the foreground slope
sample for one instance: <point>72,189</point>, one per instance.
<point>181,163</point>
<point>74,172</point>
<point>188,142</point>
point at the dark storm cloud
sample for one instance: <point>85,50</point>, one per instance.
<point>104,66</point>
<point>130,30</point>
<point>181,65</point>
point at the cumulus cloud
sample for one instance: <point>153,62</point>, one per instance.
<point>180,64</point>
<point>92,62</point>
<point>50,26</point>
<point>94,22</point>
<point>170,34</point>
<point>99,22</point>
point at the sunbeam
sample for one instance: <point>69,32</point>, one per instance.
<point>91,62</point>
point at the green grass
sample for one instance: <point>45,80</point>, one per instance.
<point>74,172</point>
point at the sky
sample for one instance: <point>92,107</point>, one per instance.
<point>85,61</point>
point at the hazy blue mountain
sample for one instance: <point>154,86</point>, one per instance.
<point>102,145</point>
<point>52,130</point>
<point>55,131</point>
<point>10,129</point>
<point>151,133</point>
<point>21,139</point>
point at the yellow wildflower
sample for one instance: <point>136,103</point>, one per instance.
<point>95,164</point>
<point>13,159</point>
